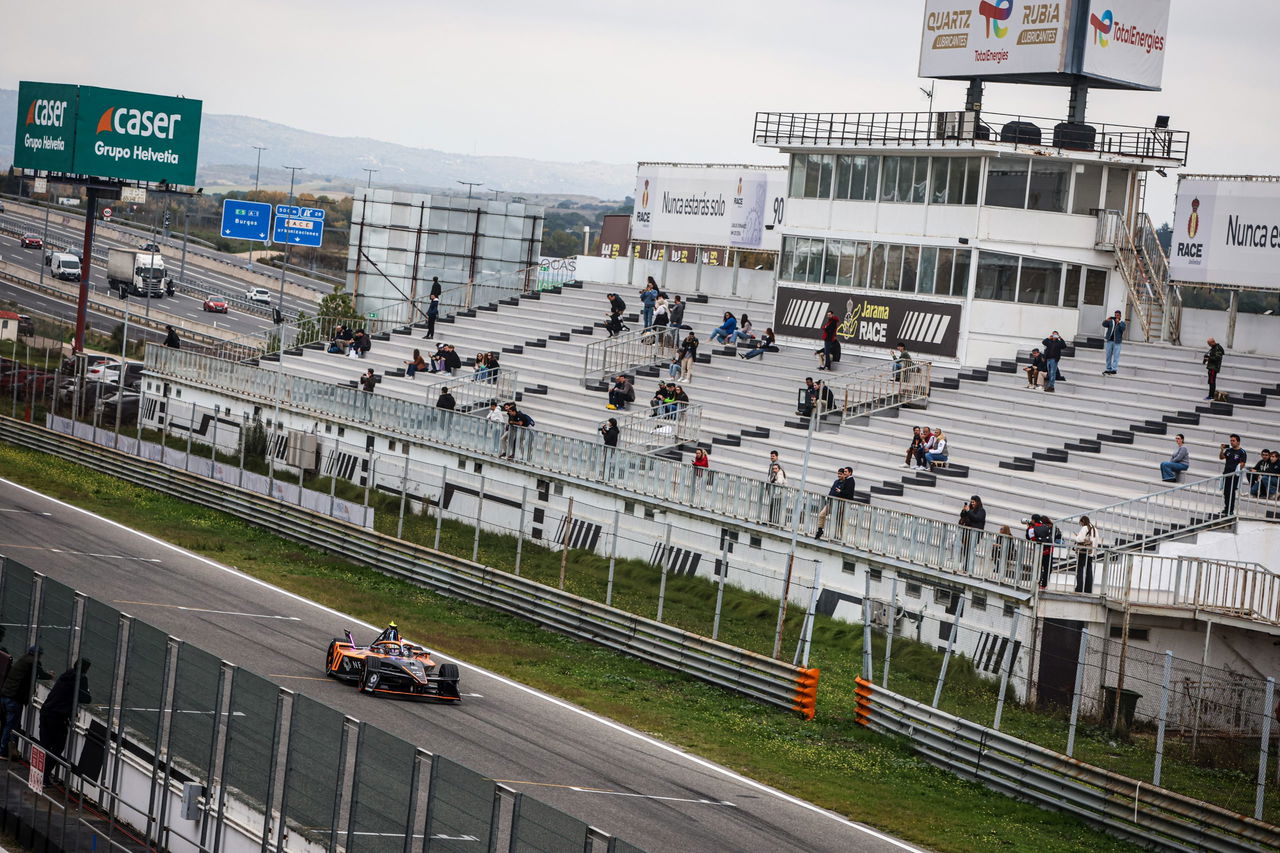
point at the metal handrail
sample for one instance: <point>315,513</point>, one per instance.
<point>629,351</point>
<point>1142,521</point>
<point>880,387</point>
<point>474,393</point>
<point>660,427</point>
<point>1245,590</point>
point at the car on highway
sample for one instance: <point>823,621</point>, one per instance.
<point>216,304</point>
<point>392,666</point>
<point>32,241</point>
<point>258,294</point>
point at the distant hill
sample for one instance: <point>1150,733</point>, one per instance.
<point>227,159</point>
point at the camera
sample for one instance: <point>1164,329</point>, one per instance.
<point>1025,521</point>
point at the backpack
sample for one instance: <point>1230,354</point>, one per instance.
<point>528,419</point>
<point>1042,533</point>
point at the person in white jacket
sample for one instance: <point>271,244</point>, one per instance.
<point>1087,542</point>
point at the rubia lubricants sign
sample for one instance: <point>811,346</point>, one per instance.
<point>869,319</point>
<point>108,133</point>
<point>1226,231</point>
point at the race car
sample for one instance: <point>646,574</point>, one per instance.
<point>392,666</point>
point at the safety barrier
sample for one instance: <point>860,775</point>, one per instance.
<point>1166,514</point>
<point>629,351</point>
<point>1144,813</point>
<point>741,671</point>
<point>880,387</point>
<point>475,392</point>
<point>647,430</point>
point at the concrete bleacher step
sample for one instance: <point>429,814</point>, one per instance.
<point>1116,437</point>
<point>894,489</point>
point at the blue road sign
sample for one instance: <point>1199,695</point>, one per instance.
<point>246,220</point>
<point>299,226</point>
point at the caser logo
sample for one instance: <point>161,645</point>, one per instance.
<point>46,113</point>
<point>132,122</point>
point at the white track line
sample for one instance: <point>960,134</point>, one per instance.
<point>604,721</point>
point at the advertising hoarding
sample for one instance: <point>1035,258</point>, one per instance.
<point>869,318</point>
<point>738,206</point>
<point>1124,41</point>
<point>107,133</point>
<point>1227,231</point>
<point>994,38</point>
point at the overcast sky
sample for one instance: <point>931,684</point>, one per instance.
<point>612,81</point>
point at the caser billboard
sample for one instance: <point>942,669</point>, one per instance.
<point>738,206</point>
<point>994,38</point>
<point>1227,231</point>
<point>107,133</point>
<point>1124,41</point>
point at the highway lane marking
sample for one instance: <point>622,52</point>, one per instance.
<point>78,553</point>
<point>205,610</point>
<point>698,761</point>
<point>582,790</point>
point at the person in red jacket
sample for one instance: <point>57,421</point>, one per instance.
<point>829,326</point>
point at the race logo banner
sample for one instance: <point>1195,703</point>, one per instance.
<point>869,319</point>
<point>1226,230</point>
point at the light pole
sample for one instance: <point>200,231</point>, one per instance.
<point>471,185</point>
<point>257,173</point>
<point>369,183</point>
<point>795,528</point>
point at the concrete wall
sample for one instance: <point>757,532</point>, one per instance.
<point>685,279</point>
<point>1258,334</point>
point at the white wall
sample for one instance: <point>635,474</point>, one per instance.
<point>1254,542</point>
<point>1258,334</point>
<point>1000,329</point>
<point>630,274</point>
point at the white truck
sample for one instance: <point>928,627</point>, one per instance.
<point>134,273</point>
<point>64,265</point>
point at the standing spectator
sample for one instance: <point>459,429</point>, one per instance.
<point>433,314</point>
<point>765,344</point>
<point>777,483</point>
<point>621,393</point>
<point>648,298</point>
<point>368,381</point>
<point>1213,363</point>
<point>773,460</point>
<point>701,462</point>
<point>171,338</point>
<point>841,489</point>
<point>726,330</point>
<point>688,355</point>
<point>1039,530</point>
<point>1053,347</point>
<point>609,432</point>
<point>1177,463</point>
<point>69,692</point>
<point>520,431</point>
<point>436,290</point>
<point>18,688</point>
<point>901,359</point>
<point>1233,458</point>
<point>1035,368</point>
<point>446,401</point>
<point>1003,552</point>
<point>675,322</point>
<point>913,449</point>
<point>939,453</point>
<point>415,364</point>
<point>1087,540</point>
<point>1115,327</point>
<point>497,415</point>
<point>661,312</point>
<point>829,344</point>
<point>973,516</point>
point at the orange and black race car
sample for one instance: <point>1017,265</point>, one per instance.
<point>391,666</point>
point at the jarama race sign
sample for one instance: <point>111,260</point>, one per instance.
<point>871,319</point>
<point>1227,231</point>
<point>107,133</point>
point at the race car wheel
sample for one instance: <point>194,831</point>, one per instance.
<point>328,661</point>
<point>449,686</point>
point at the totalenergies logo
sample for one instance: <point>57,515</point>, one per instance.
<point>133,122</point>
<point>995,12</point>
<point>1102,27</point>
<point>46,113</point>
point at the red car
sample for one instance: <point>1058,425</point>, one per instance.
<point>216,304</point>
<point>32,241</point>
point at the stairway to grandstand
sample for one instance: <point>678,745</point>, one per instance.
<point>1097,440</point>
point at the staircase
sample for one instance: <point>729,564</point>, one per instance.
<point>1145,268</point>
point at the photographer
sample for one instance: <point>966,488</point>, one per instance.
<point>973,517</point>
<point>609,432</point>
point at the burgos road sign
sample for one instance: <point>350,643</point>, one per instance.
<point>299,226</point>
<point>246,220</point>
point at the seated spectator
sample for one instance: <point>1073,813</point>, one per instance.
<point>452,361</point>
<point>341,339</point>
<point>437,360</point>
<point>927,440</point>
<point>1177,463</point>
<point>1264,481</point>
<point>744,332</point>
<point>445,400</point>
<point>766,343</point>
<point>681,400</point>
<point>622,393</point>
<point>726,330</point>
<point>613,325</point>
<point>415,364</point>
<point>1036,368</point>
<point>807,397</point>
<point>939,453</point>
<point>901,359</point>
<point>913,449</point>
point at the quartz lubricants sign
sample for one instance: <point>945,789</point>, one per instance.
<point>45,135</point>
<point>137,137</point>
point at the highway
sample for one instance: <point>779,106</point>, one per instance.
<point>644,791</point>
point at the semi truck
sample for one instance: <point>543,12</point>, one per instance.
<point>134,273</point>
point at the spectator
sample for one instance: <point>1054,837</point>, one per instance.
<point>826,399</point>
<point>18,688</point>
<point>519,433</point>
<point>1087,540</point>
<point>901,359</point>
<point>939,453</point>
<point>1233,458</point>
<point>433,314</point>
<point>446,401</point>
<point>688,355</point>
<point>69,692</point>
<point>360,344</point>
<point>415,364</point>
<point>766,343</point>
<point>452,361</point>
<point>661,312</point>
<point>701,462</point>
<point>1260,475</point>
<point>829,344</point>
<point>617,308</point>
<point>777,482</point>
<point>807,397</point>
<point>841,489</point>
<point>1177,463</point>
<point>681,400</point>
<point>1115,327</point>
<point>342,337</point>
<point>673,369</point>
<point>492,366</point>
<point>609,432</point>
<point>621,393</point>
<point>1039,530</point>
<point>1053,347</point>
<point>914,449</point>
<point>1270,484</point>
<point>1035,368</point>
<point>613,325</point>
<point>481,366</point>
<point>1003,551</point>
<point>1213,363</point>
<point>368,381</point>
<point>675,323</point>
<point>726,330</point>
<point>648,298</point>
<point>436,290</point>
<point>973,517</point>
<point>171,338</point>
<point>744,331</point>
<point>773,460</point>
<point>497,415</point>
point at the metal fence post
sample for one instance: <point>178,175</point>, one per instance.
<point>1008,667</point>
<point>444,487</point>
<point>806,629</point>
<point>946,657</point>
<point>1164,714</point>
<point>1075,691</point>
<point>662,584</point>
<point>724,574</point>
<point>565,539</point>
<point>524,499</point>
<point>867,673</point>
<point>888,639</point>
<point>333,480</point>
<point>243,441</point>
<point>404,491</point>
<point>191,429</point>
<point>613,561</point>
<point>475,541</point>
<point>1267,699</point>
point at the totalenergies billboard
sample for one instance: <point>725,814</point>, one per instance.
<point>107,133</point>
<point>1113,43</point>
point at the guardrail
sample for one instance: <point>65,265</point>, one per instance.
<point>474,393</point>
<point>1139,811</point>
<point>762,678</point>
<point>648,430</point>
<point>1247,591</point>
<point>629,351</point>
<point>880,387</point>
